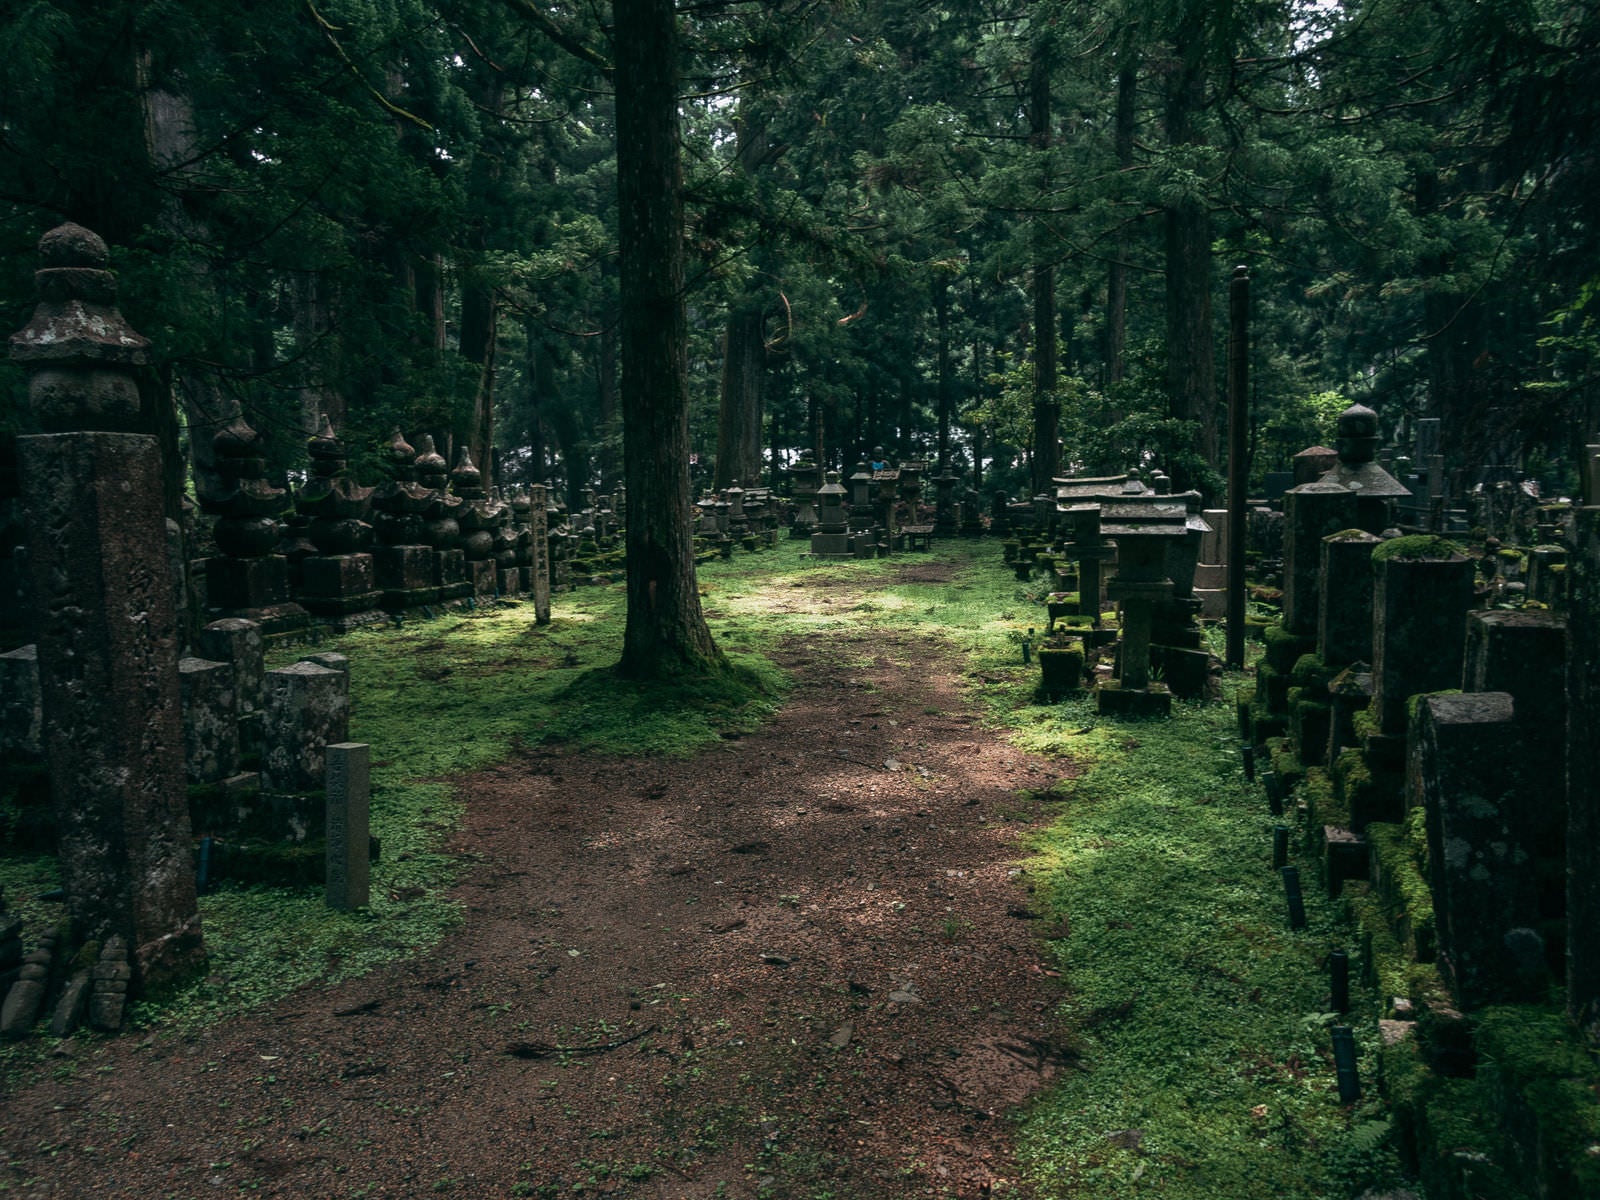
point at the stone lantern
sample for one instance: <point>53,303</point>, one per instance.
<point>1376,490</point>
<point>738,523</point>
<point>832,538</point>
<point>861,498</point>
<point>1142,583</point>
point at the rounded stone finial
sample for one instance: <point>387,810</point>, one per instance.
<point>1358,434</point>
<point>325,443</point>
<point>236,439</point>
<point>465,473</point>
<point>1358,421</point>
<point>74,335</point>
<point>400,451</point>
<point>428,459</point>
<point>71,245</point>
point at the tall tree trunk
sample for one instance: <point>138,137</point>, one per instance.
<point>1116,348</point>
<point>666,633</point>
<point>1191,369</point>
<point>744,345</point>
<point>474,427</point>
<point>744,361</point>
<point>1046,410</point>
<point>172,145</point>
<point>941,310</point>
<point>606,351</point>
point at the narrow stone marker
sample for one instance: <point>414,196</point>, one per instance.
<point>349,792</point>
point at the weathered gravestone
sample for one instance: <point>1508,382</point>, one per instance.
<point>1311,512</point>
<point>1523,653</point>
<point>1422,589</point>
<point>308,709</point>
<point>1462,769</point>
<point>105,618</point>
<point>539,554</point>
<point>1344,611</point>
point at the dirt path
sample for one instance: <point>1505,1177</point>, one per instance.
<point>800,965</point>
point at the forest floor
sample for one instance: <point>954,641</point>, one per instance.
<point>801,964</point>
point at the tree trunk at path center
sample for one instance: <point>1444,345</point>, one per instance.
<point>666,632</point>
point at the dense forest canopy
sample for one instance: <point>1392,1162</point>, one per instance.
<point>976,230</point>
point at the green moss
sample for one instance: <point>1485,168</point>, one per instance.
<point>1190,1003</point>
<point>1412,702</point>
<point>1347,535</point>
<point>1352,780</point>
<point>1364,722</point>
<point>1459,1145</point>
<point>1284,648</point>
<point>1285,762</point>
<point>1417,546</point>
<point>1322,803</point>
<point>1311,672</point>
<point>1416,825</point>
<point>1404,891</point>
<point>1386,958</point>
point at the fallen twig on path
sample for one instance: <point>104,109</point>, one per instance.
<point>545,1049</point>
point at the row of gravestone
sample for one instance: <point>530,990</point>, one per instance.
<point>283,724</point>
<point>347,554</point>
<point>253,739</point>
<point>1424,737</point>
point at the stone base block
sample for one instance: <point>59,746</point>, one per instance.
<point>1187,671</point>
<point>1344,856</point>
<point>279,622</point>
<point>831,545</point>
<point>338,585</point>
<point>450,567</point>
<point>403,568</point>
<point>1213,603</point>
<point>241,584</point>
<point>510,581</point>
<point>21,704</point>
<point>1114,700</point>
<point>482,574</point>
<point>210,719</point>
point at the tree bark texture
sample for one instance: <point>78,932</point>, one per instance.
<point>1191,369</point>
<point>1116,349</point>
<point>1046,411</point>
<point>666,632</point>
<point>744,361</point>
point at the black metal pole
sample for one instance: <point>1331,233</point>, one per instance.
<point>1274,787</point>
<point>1339,980</point>
<point>1280,848</point>
<point>1291,892</point>
<point>1238,423</point>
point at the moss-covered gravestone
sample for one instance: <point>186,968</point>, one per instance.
<point>1462,754</point>
<point>1344,613</point>
<point>1422,590</point>
<point>1311,512</point>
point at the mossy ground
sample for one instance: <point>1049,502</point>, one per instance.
<point>1201,1019</point>
<point>1198,1017</point>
